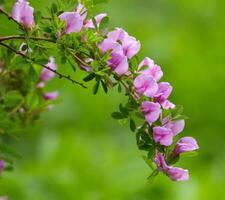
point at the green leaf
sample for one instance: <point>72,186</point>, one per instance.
<point>178,110</point>
<point>151,153</point>
<point>180,117</point>
<point>13,99</point>
<point>148,162</point>
<point>144,141</point>
<point>32,100</point>
<point>104,23</point>
<point>104,86</point>
<point>54,8</point>
<point>94,22</point>
<point>118,115</point>
<point>89,77</point>
<point>96,87</point>
<point>119,88</point>
<point>152,176</point>
<point>189,154</point>
<point>33,75</point>
<point>132,125</point>
<point>9,150</point>
<point>42,61</point>
<point>37,16</point>
<point>95,2</point>
<point>173,160</point>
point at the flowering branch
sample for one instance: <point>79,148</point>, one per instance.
<point>44,66</point>
<point>109,59</point>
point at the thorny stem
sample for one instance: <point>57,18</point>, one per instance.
<point>44,66</point>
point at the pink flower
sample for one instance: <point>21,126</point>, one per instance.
<point>151,111</point>
<point>118,63</point>
<point>175,126</point>
<point>129,44</point>
<point>152,69</point>
<point>163,135</point>
<point>145,85</point>
<point>51,95</point>
<point>186,144</point>
<point>2,165</point>
<point>23,13</point>
<point>163,92</point>
<point>167,105</point>
<point>160,162</point>
<point>46,74</point>
<point>74,22</point>
<point>98,19</point>
<point>175,173</point>
<point>109,44</point>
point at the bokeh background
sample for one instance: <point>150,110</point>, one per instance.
<point>77,151</point>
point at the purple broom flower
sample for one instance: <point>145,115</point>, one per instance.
<point>151,70</point>
<point>46,74</point>
<point>23,13</point>
<point>163,135</point>
<point>151,111</point>
<point>175,173</point>
<point>51,95</point>
<point>185,144</point>
<point>145,85</point>
<point>74,20</point>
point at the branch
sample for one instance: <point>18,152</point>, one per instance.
<point>46,67</point>
<point>12,37</point>
<point>8,16</point>
<point>76,57</point>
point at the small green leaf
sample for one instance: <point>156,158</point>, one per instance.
<point>180,117</point>
<point>118,115</point>
<point>54,8</point>
<point>104,86</point>
<point>132,125</point>
<point>42,61</point>
<point>13,99</point>
<point>37,16</point>
<point>189,154</point>
<point>89,77</point>
<point>148,162</point>
<point>99,1</point>
<point>9,150</point>
<point>119,88</point>
<point>94,22</point>
<point>33,75</point>
<point>104,23</point>
<point>96,87</point>
<point>174,160</point>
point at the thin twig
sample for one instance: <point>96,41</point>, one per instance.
<point>12,37</point>
<point>44,66</point>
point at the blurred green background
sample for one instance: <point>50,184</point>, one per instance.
<point>77,151</point>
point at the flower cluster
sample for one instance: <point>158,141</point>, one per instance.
<point>110,59</point>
